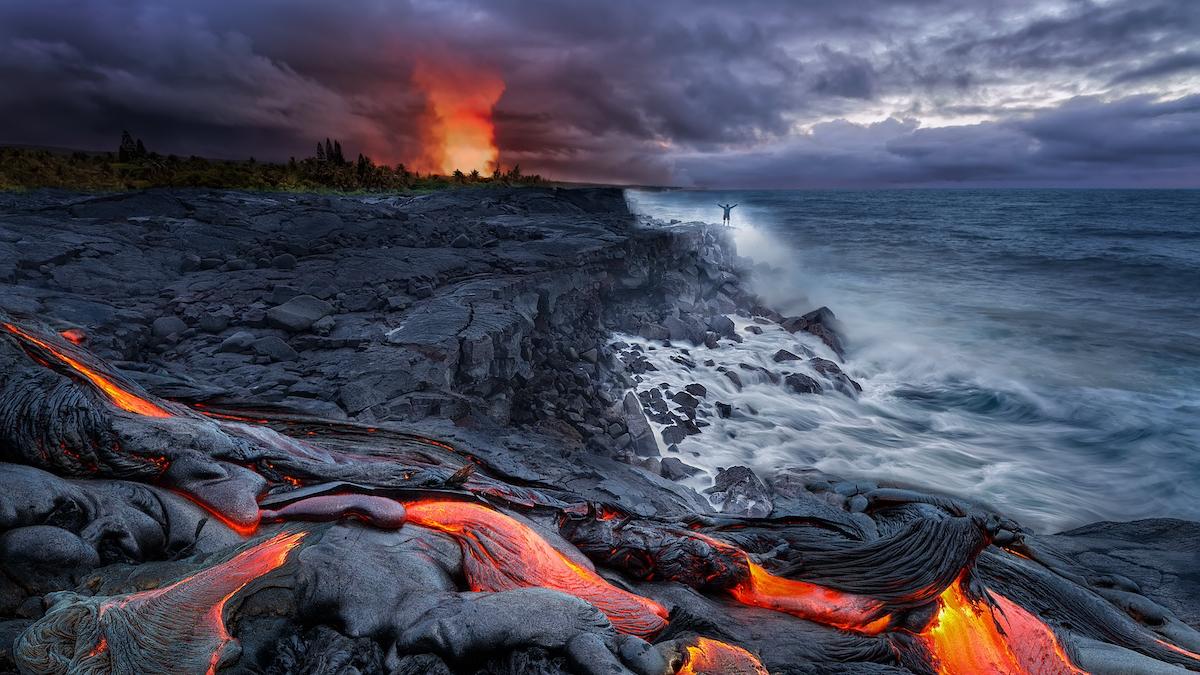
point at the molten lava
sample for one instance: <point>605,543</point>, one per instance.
<point>713,657</point>
<point>123,399</point>
<point>1179,650</point>
<point>74,336</point>
<point>189,614</point>
<point>812,602</point>
<point>501,553</point>
<point>459,133</point>
<point>970,637</point>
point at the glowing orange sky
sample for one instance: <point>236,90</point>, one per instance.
<point>459,133</point>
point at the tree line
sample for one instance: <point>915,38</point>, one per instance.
<point>133,166</point>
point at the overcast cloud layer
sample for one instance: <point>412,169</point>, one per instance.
<point>738,94</point>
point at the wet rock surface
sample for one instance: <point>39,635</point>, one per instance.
<point>298,433</point>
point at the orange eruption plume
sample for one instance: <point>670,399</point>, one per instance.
<point>812,602</point>
<point>123,399</point>
<point>713,657</point>
<point>501,553</point>
<point>459,133</point>
<point>970,637</point>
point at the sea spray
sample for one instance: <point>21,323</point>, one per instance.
<point>1011,357</point>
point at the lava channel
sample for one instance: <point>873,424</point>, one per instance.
<point>812,602</point>
<point>501,553</point>
<point>177,628</point>
<point>968,637</point>
<point>122,398</point>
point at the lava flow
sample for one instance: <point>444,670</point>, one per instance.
<point>501,553</point>
<point>812,602</point>
<point>1179,650</point>
<point>123,399</point>
<point>713,657</point>
<point>177,628</point>
<point>969,637</point>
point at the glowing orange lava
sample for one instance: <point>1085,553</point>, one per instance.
<point>812,602</point>
<point>459,133</point>
<point>205,593</point>
<point>969,637</point>
<point>74,336</point>
<point>1176,648</point>
<point>501,553</point>
<point>713,657</point>
<point>122,399</point>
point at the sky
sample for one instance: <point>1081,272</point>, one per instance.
<point>745,94</point>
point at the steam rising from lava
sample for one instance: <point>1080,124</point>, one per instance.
<point>459,133</point>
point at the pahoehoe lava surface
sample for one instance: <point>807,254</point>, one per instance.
<point>288,433</point>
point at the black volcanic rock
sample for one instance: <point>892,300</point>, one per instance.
<point>464,376</point>
<point>299,313</point>
<point>738,491</point>
<point>802,384</point>
<point>822,323</point>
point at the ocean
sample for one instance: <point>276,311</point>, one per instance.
<point>1035,350</point>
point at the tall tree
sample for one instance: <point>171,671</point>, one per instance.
<point>320,152</point>
<point>128,148</point>
<point>337,153</point>
<point>329,156</point>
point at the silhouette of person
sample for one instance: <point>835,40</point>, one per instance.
<point>728,208</point>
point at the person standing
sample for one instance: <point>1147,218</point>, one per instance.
<point>728,208</point>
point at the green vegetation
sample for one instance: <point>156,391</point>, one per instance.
<point>132,167</point>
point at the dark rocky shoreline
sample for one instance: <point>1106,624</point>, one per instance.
<point>483,319</point>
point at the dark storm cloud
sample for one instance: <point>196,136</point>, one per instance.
<point>708,92</point>
<point>1085,142</point>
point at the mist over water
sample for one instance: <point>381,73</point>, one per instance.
<point>1037,350</point>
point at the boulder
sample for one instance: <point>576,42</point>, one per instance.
<point>738,491</point>
<point>241,342</point>
<point>165,326</point>
<point>721,325</point>
<point>685,399</point>
<point>275,349</point>
<point>644,444</point>
<point>673,434</point>
<point>299,313</point>
<point>672,468</point>
<point>841,381</point>
<point>822,323</point>
<point>802,384</point>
